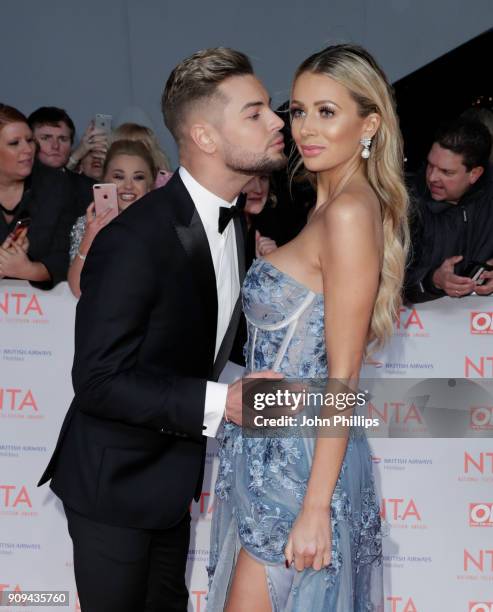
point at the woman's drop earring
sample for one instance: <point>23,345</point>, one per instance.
<point>366,142</point>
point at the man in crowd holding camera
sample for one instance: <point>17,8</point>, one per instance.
<point>452,220</point>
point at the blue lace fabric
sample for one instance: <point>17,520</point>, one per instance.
<point>261,482</point>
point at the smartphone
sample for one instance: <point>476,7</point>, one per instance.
<point>19,226</point>
<point>102,123</point>
<point>105,198</point>
<point>474,271</point>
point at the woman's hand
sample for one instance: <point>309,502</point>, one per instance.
<point>310,541</point>
<point>22,240</point>
<point>263,245</point>
<point>94,223</point>
<point>91,140</point>
<point>14,261</point>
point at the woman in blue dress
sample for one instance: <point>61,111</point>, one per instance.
<point>297,522</point>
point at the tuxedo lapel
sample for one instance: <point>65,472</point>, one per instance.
<point>228,340</point>
<point>240,231</point>
<point>193,238</point>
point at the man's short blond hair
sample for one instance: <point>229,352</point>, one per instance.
<point>195,80</point>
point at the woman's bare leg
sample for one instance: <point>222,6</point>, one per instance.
<point>249,592</point>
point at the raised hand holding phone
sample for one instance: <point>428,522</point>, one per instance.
<point>95,221</point>
<point>106,199</point>
<point>102,123</point>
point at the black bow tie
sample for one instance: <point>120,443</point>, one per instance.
<point>226,214</point>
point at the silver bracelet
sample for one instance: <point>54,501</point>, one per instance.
<point>80,256</point>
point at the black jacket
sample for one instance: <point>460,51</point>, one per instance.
<point>440,230</point>
<point>131,450</point>
<point>47,200</point>
<point>82,196</point>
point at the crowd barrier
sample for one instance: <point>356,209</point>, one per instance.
<point>436,494</point>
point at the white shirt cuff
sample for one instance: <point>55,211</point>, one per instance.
<point>215,405</point>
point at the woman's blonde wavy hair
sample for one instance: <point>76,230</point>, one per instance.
<point>134,131</point>
<point>354,68</point>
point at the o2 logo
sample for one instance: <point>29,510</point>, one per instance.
<point>481,514</point>
<point>481,323</point>
<point>481,606</point>
<point>481,417</point>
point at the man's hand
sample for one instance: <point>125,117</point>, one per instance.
<point>487,287</point>
<point>454,286</point>
<point>234,399</point>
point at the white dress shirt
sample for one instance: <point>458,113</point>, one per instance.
<point>225,260</point>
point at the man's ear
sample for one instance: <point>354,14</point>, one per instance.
<point>203,136</point>
<point>475,173</point>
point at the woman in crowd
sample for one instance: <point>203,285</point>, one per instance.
<point>128,165</point>
<point>257,204</point>
<point>36,199</point>
<point>133,131</point>
<point>88,157</point>
<point>301,507</point>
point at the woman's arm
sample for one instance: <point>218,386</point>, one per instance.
<point>14,262</point>
<point>81,237</point>
<point>350,263</point>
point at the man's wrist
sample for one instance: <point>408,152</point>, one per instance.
<point>434,276</point>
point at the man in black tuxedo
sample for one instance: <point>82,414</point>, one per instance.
<point>154,328</point>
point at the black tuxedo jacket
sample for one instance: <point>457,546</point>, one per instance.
<point>131,449</point>
<point>82,196</point>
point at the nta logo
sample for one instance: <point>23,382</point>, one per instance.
<point>400,604</point>
<point>12,496</point>
<point>399,509</point>
<point>482,463</point>
<point>481,561</point>
<point>17,400</point>
<point>20,304</point>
